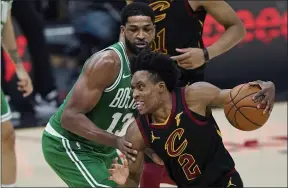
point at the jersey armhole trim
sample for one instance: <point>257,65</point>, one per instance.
<point>113,86</point>
<point>125,55</point>
<point>188,111</point>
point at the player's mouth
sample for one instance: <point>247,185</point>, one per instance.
<point>141,44</point>
<point>140,105</point>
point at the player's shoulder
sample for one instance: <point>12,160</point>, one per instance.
<point>199,90</point>
<point>198,86</point>
<point>106,58</point>
<point>106,61</point>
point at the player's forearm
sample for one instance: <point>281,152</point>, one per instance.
<point>221,98</point>
<point>131,183</point>
<point>79,124</point>
<point>133,179</point>
<point>9,41</point>
<point>232,36</point>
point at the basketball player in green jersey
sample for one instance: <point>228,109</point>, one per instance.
<point>8,40</point>
<point>80,140</point>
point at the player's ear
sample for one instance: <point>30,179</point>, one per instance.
<point>161,86</point>
<point>154,29</point>
<point>122,29</point>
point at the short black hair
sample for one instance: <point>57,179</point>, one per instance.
<point>161,66</point>
<point>136,9</point>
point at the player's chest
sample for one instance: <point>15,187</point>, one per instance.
<point>181,136</point>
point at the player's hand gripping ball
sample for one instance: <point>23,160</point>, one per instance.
<point>242,111</point>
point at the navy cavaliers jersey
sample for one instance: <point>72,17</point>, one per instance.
<point>189,144</point>
<point>177,25</point>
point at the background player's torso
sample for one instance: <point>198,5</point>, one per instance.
<point>113,109</point>
<point>177,25</point>
<point>191,149</point>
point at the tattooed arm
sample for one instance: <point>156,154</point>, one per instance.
<point>10,46</point>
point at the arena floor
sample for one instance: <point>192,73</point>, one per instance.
<point>260,156</point>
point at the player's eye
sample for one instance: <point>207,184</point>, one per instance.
<point>141,87</point>
<point>147,29</point>
<point>133,29</point>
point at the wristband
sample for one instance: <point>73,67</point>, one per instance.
<point>206,55</point>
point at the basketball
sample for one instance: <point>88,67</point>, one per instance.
<point>241,111</point>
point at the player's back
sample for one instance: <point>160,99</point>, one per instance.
<point>177,25</point>
<point>113,109</point>
<point>189,144</point>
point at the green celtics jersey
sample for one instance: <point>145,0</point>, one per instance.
<point>113,109</point>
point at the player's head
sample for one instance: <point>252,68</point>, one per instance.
<point>137,26</point>
<point>154,76</point>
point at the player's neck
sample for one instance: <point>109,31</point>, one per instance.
<point>122,40</point>
<point>164,110</point>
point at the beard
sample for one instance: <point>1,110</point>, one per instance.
<point>133,48</point>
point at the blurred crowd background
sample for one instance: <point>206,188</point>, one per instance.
<point>55,37</point>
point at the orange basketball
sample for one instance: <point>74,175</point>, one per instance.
<point>241,111</point>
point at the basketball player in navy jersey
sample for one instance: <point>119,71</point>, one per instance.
<point>173,122</point>
<point>179,27</point>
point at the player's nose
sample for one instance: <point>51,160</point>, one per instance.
<point>135,94</point>
<point>141,35</point>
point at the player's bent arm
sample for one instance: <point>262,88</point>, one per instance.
<point>199,95</point>
<point>86,94</point>
<point>133,135</point>
<point>224,14</point>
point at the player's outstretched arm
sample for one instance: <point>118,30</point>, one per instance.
<point>99,72</point>
<point>199,95</point>
<point>202,94</point>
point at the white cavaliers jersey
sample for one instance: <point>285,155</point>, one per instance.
<point>5,7</point>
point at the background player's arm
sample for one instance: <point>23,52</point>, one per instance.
<point>10,46</point>
<point>86,94</point>
<point>9,40</point>
<point>223,13</point>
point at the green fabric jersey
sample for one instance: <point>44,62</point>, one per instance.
<point>113,109</point>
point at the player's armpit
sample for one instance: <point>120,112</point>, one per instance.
<point>86,93</point>
<point>203,94</point>
<point>133,135</point>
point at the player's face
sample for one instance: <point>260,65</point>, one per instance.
<point>146,93</point>
<point>138,33</point>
